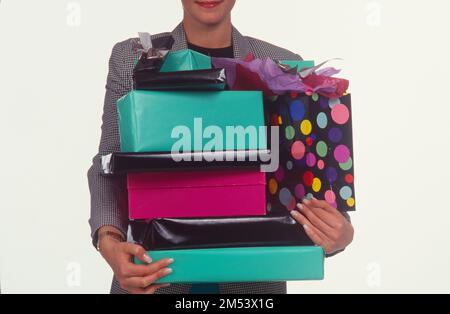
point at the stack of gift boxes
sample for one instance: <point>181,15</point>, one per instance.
<point>188,200</point>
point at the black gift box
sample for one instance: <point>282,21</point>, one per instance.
<point>123,163</point>
<point>194,233</point>
<point>213,79</point>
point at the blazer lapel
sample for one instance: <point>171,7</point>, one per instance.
<point>179,38</point>
<point>241,45</point>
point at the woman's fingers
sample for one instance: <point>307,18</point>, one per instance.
<point>163,272</point>
<point>137,251</point>
<point>154,267</point>
<point>302,220</point>
<point>134,283</point>
<point>325,211</point>
<point>129,269</point>
<point>316,220</point>
<point>321,212</point>
<point>321,204</point>
<point>315,235</point>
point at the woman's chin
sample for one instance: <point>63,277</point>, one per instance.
<point>210,19</point>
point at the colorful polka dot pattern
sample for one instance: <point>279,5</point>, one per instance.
<point>316,157</point>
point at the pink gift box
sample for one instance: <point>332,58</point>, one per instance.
<point>226,193</point>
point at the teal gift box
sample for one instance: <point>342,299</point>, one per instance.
<point>186,60</point>
<point>243,264</point>
<point>167,121</point>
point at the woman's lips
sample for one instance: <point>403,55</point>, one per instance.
<point>208,4</point>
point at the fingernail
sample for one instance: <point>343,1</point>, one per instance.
<point>300,206</point>
<point>305,227</point>
<point>168,271</point>
<point>306,201</point>
<point>294,213</point>
<point>170,261</point>
<point>147,258</point>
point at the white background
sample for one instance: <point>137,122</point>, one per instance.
<point>53,67</point>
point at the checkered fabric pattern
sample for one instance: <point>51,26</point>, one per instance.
<point>109,195</point>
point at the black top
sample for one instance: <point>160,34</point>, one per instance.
<point>227,52</point>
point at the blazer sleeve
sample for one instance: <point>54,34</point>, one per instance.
<point>108,194</point>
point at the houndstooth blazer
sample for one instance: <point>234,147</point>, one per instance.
<point>109,195</point>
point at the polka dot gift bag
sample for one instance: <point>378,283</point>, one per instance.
<point>313,112</point>
<point>316,151</point>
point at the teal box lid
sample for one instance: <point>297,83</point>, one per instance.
<point>168,121</point>
<point>243,264</point>
<point>301,65</point>
<point>185,60</point>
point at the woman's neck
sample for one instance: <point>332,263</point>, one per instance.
<point>208,36</point>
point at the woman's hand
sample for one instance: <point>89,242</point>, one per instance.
<point>136,279</point>
<point>324,225</point>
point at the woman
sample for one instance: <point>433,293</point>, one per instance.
<point>206,28</point>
